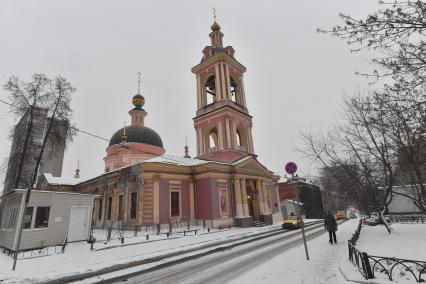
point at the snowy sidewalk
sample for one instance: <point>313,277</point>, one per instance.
<point>322,268</point>
<point>78,258</point>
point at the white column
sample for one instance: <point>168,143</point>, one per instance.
<point>156,199</point>
<point>234,134</point>
<point>265,199</point>
<point>198,142</point>
<point>228,80</point>
<point>243,95</point>
<point>238,204</point>
<point>220,135</point>
<point>217,81</point>
<point>199,94</point>
<point>228,134</point>
<point>260,197</point>
<point>223,82</point>
<point>244,198</point>
<point>250,140</point>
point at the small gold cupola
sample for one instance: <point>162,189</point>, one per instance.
<point>138,100</point>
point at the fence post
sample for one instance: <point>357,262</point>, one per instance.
<point>158,229</point>
<point>367,267</point>
<point>204,223</point>
<point>350,250</point>
<point>170,228</point>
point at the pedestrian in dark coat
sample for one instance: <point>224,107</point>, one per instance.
<point>331,227</point>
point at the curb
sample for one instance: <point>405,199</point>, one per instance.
<point>117,267</point>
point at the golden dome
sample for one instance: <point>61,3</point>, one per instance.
<point>138,101</point>
<point>215,27</point>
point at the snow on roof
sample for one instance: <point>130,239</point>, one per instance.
<point>241,160</point>
<point>61,180</point>
<point>181,161</point>
<point>176,160</point>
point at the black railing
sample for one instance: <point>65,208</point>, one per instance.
<point>388,266</point>
<point>355,235</point>
<point>360,260</point>
<point>407,218</point>
<point>369,264</point>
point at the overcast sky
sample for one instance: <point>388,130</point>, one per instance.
<point>295,77</point>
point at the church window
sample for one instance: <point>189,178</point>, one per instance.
<point>109,208</point>
<point>120,207</point>
<point>210,90</point>
<point>100,210</point>
<point>175,204</point>
<point>133,204</point>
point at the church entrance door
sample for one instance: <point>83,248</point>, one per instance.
<point>253,204</point>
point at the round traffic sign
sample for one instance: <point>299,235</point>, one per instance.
<point>291,168</point>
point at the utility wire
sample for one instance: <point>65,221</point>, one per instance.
<point>73,127</point>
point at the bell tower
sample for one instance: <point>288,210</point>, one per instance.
<point>222,122</point>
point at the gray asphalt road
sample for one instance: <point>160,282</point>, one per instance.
<point>224,266</point>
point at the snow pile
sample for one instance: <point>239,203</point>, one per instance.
<point>407,241</point>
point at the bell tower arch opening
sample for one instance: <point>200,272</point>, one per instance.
<point>235,92</point>
<point>241,141</point>
<point>210,90</point>
<point>212,140</point>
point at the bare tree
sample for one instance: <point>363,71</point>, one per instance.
<point>397,32</point>
<point>54,95</point>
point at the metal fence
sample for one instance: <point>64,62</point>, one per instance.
<point>369,264</point>
<point>407,218</point>
<point>119,230</point>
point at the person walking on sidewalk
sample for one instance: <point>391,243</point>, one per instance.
<point>331,227</point>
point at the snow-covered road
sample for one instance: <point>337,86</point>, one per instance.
<point>270,260</point>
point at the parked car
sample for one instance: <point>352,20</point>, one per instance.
<point>291,222</point>
<point>342,215</point>
<point>371,221</point>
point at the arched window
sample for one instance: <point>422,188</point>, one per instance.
<point>210,90</point>
<point>235,96</point>
<point>241,138</point>
<point>238,138</point>
<point>213,139</point>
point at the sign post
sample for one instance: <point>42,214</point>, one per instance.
<point>291,169</point>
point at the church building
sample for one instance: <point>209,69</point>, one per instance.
<point>224,184</point>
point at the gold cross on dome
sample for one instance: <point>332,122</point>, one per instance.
<point>139,82</point>
<point>214,13</point>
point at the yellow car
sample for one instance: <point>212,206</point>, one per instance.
<point>291,222</point>
<point>341,215</point>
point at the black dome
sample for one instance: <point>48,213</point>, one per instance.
<point>137,134</point>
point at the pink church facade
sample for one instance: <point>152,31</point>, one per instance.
<point>224,184</point>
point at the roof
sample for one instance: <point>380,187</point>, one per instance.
<point>22,191</point>
<point>177,160</point>
<point>61,180</point>
<point>137,134</point>
<point>181,161</point>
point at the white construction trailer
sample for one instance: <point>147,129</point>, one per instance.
<point>50,219</point>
